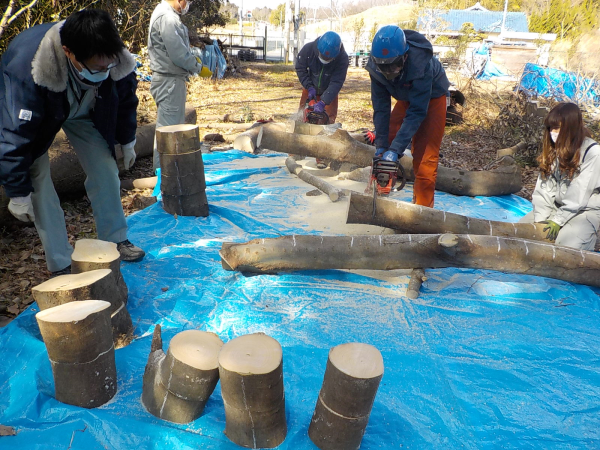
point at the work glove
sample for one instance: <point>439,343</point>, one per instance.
<point>369,137</point>
<point>553,229</point>
<point>319,107</point>
<point>379,152</point>
<point>390,155</point>
<point>128,154</point>
<point>205,72</point>
<point>312,93</point>
<point>22,208</point>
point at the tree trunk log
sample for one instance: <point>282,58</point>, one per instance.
<point>349,387</point>
<point>79,342</point>
<point>417,276</point>
<point>333,193</point>
<point>251,371</point>
<point>177,385</point>
<point>68,176</point>
<point>406,217</point>
<point>387,252</point>
<point>97,285</point>
<point>510,151</point>
<point>139,183</point>
<point>182,184</point>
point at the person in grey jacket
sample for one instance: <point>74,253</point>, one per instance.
<point>567,193</point>
<point>78,76</point>
<point>171,62</point>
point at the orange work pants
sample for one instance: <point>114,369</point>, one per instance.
<point>330,109</point>
<point>425,146</point>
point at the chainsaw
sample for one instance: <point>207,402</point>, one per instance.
<point>384,176</point>
<point>313,117</point>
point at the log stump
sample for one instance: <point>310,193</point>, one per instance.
<point>97,285</point>
<point>349,387</point>
<point>182,181</point>
<point>251,371</point>
<point>177,385</point>
<point>78,338</point>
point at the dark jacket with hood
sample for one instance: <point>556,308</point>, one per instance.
<point>34,104</point>
<point>422,79</point>
<point>327,79</point>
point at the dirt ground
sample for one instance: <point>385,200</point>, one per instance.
<point>258,91</point>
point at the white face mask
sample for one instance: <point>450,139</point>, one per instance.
<point>185,10</point>
<point>554,135</point>
<point>325,61</point>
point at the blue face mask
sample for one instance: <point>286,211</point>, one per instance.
<point>94,77</point>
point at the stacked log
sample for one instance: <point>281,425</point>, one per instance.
<point>79,341</point>
<point>177,385</point>
<point>349,387</point>
<point>96,284</point>
<point>182,182</point>
<point>251,371</point>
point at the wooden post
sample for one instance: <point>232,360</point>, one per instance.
<point>78,338</point>
<point>349,387</point>
<point>251,370</point>
<point>177,385</point>
<point>182,182</point>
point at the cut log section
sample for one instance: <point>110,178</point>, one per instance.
<point>251,371</point>
<point>417,276</point>
<point>511,151</point>
<point>340,146</point>
<point>346,398</point>
<point>139,183</point>
<point>79,341</point>
<point>406,217</point>
<point>93,254</point>
<point>97,285</point>
<point>177,385</point>
<point>387,252</point>
<point>182,184</point>
<point>333,193</point>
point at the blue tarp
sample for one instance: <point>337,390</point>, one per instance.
<point>489,69</point>
<point>559,85</point>
<point>481,360</point>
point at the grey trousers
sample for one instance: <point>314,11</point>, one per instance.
<point>580,232</point>
<point>169,95</point>
<point>102,186</point>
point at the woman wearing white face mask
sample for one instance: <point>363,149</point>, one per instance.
<point>567,194</point>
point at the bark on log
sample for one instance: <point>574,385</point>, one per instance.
<point>176,386</point>
<point>95,284</point>
<point>183,185</point>
<point>68,176</point>
<point>251,371</point>
<point>79,341</point>
<point>333,193</point>
<point>417,276</point>
<point>340,146</point>
<point>346,398</point>
<point>406,217</point>
<point>387,252</point>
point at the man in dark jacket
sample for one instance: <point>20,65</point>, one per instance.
<point>402,66</point>
<point>78,76</point>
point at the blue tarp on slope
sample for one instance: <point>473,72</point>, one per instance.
<point>481,360</point>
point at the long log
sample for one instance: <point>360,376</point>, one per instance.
<point>79,342</point>
<point>387,252</point>
<point>340,146</point>
<point>406,217</point>
<point>333,193</point>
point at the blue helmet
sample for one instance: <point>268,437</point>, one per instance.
<point>329,45</point>
<point>389,51</point>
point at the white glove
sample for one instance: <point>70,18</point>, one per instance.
<point>22,208</point>
<point>128,154</point>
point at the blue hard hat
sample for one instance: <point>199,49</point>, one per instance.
<point>388,45</point>
<point>329,45</point>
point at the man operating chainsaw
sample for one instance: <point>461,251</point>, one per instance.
<point>321,68</point>
<point>402,66</point>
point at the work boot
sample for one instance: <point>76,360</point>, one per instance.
<point>130,252</point>
<point>65,271</point>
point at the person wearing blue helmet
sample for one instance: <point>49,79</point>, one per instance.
<point>321,67</point>
<point>402,66</point>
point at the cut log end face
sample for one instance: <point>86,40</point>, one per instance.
<point>95,250</point>
<point>176,128</point>
<point>448,240</point>
<point>357,360</point>
<point>198,349</point>
<point>251,354</point>
<point>72,312</point>
<point>72,281</point>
